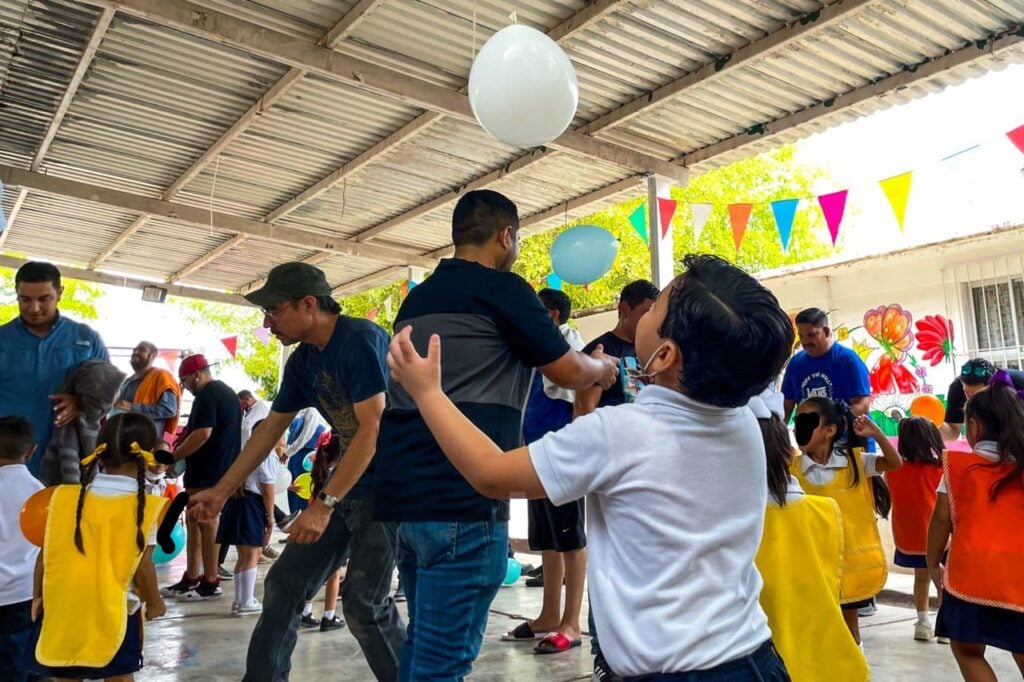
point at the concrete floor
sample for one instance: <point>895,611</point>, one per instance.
<point>203,642</point>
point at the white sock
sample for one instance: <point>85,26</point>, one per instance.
<point>329,614</point>
<point>922,617</point>
<point>307,609</point>
<point>245,583</point>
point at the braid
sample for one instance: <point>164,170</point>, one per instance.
<point>86,478</point>
<point>141,508</point>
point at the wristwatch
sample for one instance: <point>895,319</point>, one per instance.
<point>327,500</point>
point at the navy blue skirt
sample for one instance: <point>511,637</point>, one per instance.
<point>910,560</point>
<point>243,521</point>
<point>964,621</point>
<point>126,661</point>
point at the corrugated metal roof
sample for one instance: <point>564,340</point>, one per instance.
<point>155,99</point>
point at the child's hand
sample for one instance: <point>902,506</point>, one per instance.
<point>416,374</point>
<point>155,609</point>
<point>865,428</point>
<point>936,574</point>
<point>37,608</point>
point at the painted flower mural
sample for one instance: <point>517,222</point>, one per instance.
<point>935,339</point>
<point>890,327</point>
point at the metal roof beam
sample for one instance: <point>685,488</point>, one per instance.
<point>16,177</point>
<point>315,259</point>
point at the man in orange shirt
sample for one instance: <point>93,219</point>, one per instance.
<point>151,391</point>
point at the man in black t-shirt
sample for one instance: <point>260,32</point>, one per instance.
<point>974,376</point>
<point>212,444</point>
<point>634,301</point>
<point>452,539</point>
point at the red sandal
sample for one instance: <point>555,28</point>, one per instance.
<point>556,643</point>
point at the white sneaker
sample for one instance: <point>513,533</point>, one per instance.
<point>923,632</point>
<point>942,640</point>
<point>234,608</point>
<point>252,608</point>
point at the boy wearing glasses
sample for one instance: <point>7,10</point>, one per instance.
<point>974,376</point>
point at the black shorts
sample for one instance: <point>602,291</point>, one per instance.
<point>243,521</point>
<point>556,527</point>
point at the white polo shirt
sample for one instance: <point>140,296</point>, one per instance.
<point>822,474</point>
<point>266,472</point>
<point>676,493</point>
<point>17,555</point>
<point>258,412</point>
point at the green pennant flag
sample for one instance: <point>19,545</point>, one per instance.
<point>638,219</point>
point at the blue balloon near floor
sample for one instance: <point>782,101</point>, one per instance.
<point>178,469</point>
<point>307,461</point>
<point>512,573</point>
<point>583,254</point>
<point>178,536</point>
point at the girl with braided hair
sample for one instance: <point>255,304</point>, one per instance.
<point>95,576</point>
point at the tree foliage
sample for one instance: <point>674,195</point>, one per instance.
<point>79,299</point>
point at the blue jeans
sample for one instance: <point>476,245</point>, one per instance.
<point>301,570</point>
<point>764,665</point>
<point>451,572</point>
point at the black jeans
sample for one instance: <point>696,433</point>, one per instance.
<point>299,573</point>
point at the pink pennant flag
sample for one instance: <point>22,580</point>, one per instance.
<point>1017,137</point>
<point>666,209</point>
<point>231,343</point>
<point>372,315</point>
<point>739,216</point>
<point>833,205</point>
<point>262,333</point>
<point>170,357</point>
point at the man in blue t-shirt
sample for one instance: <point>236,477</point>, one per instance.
<point>453,541</point>
<point>339,368</point>
<point>825,368</point>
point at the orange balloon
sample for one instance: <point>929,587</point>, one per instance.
<point>929,407</point>
<point>33,516</point>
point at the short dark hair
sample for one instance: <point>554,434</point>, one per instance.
<point>16,436</point>
<point>732,334</point>
<point>35,272</point>
<point>328,305</point>
<point>245,395</point>
<point>976,372</point>
<point>637,292</point>
<point>481,214</point>
<point>553,299</point>
<point>816,317</point>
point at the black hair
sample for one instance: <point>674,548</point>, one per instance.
<point>327,457</point>
<point>969,372</point>
<point>733,336</point>
<point>816,317</point>
<point>832,414</point>
<point>35,272</point>
<point>327,304</point>
<point>117,435</point>
<point>245,395</point>
<point>779,452</point>
<point>481,214</point>
<point>16,437</point>
<point>635,293</point>
<point>919,441</point>
<point>552,299</point>
<point>1000,413</point>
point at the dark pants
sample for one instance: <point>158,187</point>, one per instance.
<point>299,573</point>
<point>15,632</point>
<point>764,665</point>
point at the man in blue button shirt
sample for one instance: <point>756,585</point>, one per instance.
<point>37,350</point>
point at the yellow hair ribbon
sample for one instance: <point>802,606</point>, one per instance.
<point>148,457</point>
<point>91,457</point>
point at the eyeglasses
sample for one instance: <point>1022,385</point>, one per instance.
<point>979,371</point>
<point>276,312</point>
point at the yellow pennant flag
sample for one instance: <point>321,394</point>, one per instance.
<point>897,190</point>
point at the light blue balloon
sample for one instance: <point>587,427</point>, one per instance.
<point>178,536</point>
<point>583,254</point>
<point>512,572</point>
<point>307,462</point>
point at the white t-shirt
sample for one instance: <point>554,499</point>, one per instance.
<point>822,474</point>
<point>266,472</point>
<point>676,493</point>
<point>17,555</point>
<point>258,412</point>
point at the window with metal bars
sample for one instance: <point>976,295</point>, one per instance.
<point>998,312</point>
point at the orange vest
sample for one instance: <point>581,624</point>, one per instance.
<point>913,498</point>
<point>986,554</point>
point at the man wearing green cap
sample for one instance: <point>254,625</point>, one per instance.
<point>339,369</point>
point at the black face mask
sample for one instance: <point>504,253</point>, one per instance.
<point>804,427</point>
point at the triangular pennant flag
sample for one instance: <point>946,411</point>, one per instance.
<point>405,290</point>
<point>171,358</point>
<point>897,190</point>
<point>666,209</point>
<point>784,212</point>
<point>739,216</point>
<point>412,285</point>
<point>372,315</point>
<point>638,219</point>
<point>833,205</point>
<point>262,333</point>
<point>554,282</point>
<point>231,343</point>
<point>586,287</point>
<point>701,213</point>
<point>388,307</point>
<point>1017,137</point>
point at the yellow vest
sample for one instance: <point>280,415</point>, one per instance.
<point>864,566</point>
<point>85,595</point>
<point>799,558</point>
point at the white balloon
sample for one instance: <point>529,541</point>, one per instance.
<point>522,87</point>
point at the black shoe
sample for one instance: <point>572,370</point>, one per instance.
<point>400,594</point>
<point>332,624</point>
<point>534,572</point>
<point>602,671</point>
<point>308,621</point>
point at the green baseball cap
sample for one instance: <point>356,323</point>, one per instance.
<point>288,282</point>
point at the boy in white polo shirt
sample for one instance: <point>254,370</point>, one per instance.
<point>17,555</point>
<point>675,482</point>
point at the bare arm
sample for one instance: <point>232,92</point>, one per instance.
<point>310,525</point>
<point>789,406</point>
<point>146,586</point>
<point>37,587</point>
<point>267,493</point>
<point>578,370</point>
<point>193,442</point>
<point>586,401</point>
<point>860,404</point>
<point>891,460</point>
<point>939,529</point>
<point>950,431</point>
